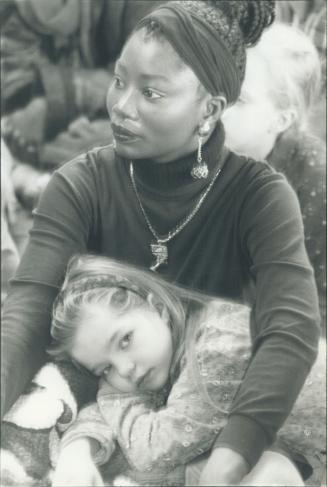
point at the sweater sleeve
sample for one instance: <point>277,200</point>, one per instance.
<point>90,423</point>
<point>284,318</point>
<point>156,434</point>
<point>61,228</point>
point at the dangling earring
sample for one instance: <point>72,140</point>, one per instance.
<point>200,169</point>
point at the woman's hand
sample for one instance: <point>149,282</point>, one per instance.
<point>224,467</point>
<point>76,467</point>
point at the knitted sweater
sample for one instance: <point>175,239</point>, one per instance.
<point>245,242</point>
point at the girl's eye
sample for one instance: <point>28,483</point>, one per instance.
<point>125,341</point>
<point>152,95</point>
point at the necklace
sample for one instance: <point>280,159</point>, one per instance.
<point>159,248</point>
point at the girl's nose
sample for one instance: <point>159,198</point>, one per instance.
<point>125,106</point>
<point>126,368</point>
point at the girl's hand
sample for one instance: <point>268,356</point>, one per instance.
<point>76,468</point>
<point>224,467</point>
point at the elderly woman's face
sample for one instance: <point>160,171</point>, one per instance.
<point>154,102</point>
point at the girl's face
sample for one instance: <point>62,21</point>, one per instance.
<point>251,124</point>
<point>154,102</point>
<point>132,351</point>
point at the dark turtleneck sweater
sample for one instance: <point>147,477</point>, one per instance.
<point>246,242</point>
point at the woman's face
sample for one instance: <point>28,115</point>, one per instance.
<point>132,351</point>
<point>154,102</point>
<point>251,124</point>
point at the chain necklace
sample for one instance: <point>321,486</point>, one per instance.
<point>159,248</point>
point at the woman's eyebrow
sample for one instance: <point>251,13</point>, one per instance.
<point>147,77</point>
<point>120,66</point>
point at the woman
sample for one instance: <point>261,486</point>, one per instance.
<point>270,121</point>
<point>141,203</point>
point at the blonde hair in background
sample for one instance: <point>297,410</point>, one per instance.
<point>295,70</point>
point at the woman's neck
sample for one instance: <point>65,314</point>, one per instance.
<point>177,173</point>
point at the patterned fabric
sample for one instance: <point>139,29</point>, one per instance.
<point>45,409</point>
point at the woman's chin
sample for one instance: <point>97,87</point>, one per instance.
<point>126,151</point>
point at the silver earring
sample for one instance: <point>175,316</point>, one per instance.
<point>200,169</point>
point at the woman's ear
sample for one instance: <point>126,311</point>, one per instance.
<point>215,107</point>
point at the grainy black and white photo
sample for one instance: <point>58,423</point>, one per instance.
<point>163,243</point>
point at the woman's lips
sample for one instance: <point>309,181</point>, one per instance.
<point>122,134</point>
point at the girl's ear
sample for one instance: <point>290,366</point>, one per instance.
<point>164,314</point>
<point>285,119</point>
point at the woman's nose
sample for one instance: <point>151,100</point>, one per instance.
<point>125,106</point>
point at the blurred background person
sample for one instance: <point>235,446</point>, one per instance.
<point>310,17</point>
<point>270,121</point>
<point>56,65</point>
<point>9,251</point>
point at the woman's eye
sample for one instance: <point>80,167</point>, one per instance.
<point>152,95</point>
<point>106,370</point>
<point>125,341</point>
<point>117,82</point>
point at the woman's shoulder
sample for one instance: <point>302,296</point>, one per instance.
<point>247,172</point>
<point>255,182</point>
<point>91,176</point>
<point>96,164</point>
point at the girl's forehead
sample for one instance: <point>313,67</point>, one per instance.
<point>257,76</point>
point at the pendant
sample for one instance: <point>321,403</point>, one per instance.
<point>160,252</point>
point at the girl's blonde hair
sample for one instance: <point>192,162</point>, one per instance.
<point>294,65</point>
<point>93,279</point>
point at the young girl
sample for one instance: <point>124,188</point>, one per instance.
<point>270,121</point>
<point>163,358</point>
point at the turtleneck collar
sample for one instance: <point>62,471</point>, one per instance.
<point>177,173</point>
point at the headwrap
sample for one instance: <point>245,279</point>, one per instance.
<point>201,48</point>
